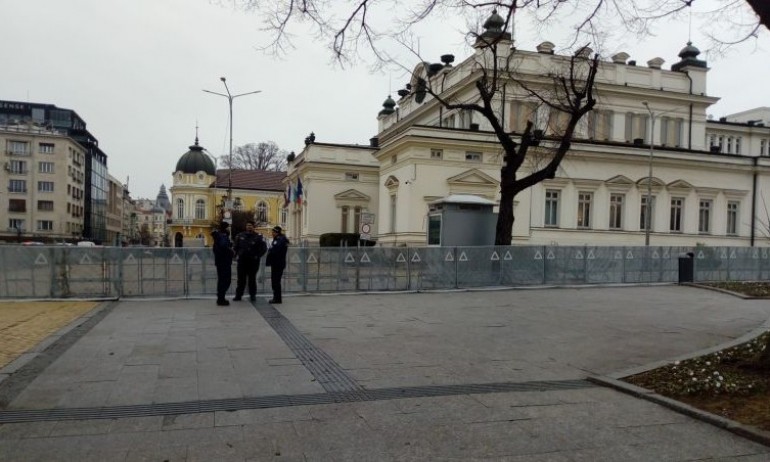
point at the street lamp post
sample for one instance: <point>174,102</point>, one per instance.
<point>230,97</point>
<point>648,205</point>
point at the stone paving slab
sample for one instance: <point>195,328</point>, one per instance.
<point>170,351</point>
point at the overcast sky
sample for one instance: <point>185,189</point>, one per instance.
<point>134,71</point>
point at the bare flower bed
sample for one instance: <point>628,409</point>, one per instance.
<point>732,383</point>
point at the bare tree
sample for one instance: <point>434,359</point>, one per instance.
<point>257,156</point>
<point>352,27</point>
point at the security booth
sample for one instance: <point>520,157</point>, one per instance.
<point>461,220</point>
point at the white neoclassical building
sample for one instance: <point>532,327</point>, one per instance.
<point>710,181</point>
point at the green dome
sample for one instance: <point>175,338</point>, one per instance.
<point>195,160</point>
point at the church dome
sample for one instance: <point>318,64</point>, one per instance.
<point>195,160</point>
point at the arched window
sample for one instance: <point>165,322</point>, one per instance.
<point>200,209</point>
<point>262,212</point>
<point>180,208</point>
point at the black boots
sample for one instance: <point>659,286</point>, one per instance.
<point>222,302</point>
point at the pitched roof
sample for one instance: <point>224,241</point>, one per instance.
<point>251,179</point>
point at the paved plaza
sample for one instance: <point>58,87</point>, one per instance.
<point>482,375</point>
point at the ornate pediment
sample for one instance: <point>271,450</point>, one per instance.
<point>655,182</point>
<point>473,177</point>
<point>352,195</point>
<point>680,184</point>
<point>620,180</point>
<point>392,182</point>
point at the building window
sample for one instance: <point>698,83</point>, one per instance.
<point>17,148</point>
<point>351,176</point>
<point>729,144</point>
<point>732,218</point>
<point>671,131</point>
<point>763,148</point>
<point>551,208</point>
<point>557,121</point>
<point>434,230</point>
<point>45,167</point>
<point>284,216</point>
<point>584,210</point>
<point>18,167</point>
<point>465,118</point>
<point>262,212</point>
<point>45,186</point>
<point>437,154</point>
<point>46,206</point>
<point>521,112</point>
<point>17,186</point>
<point>200,209</point>
<point>473,156</point>
<point>600,125</point>
<point>17,205</point>
<point>616,211</point>
<point>738,145</point>
<point>179,208</point>
<point>356,219</point>
<point>704,216</point>
<point>16,224</point>
<point>238,204</point>
<point>345,213</point>
<point>45,148</point>
<point>393,213</point>
<point>643,214</point>
<point>44,225</point>
<point>677,208</point>
<point>636,126</point>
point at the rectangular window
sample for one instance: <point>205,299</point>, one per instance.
<point>616,211</point>
<point>434,230</point>
<point>521,113</point>
<point>636,126</point>
<point>738,145</point>
<point>732,218</point>
<point>704,216</point>
<point>17,148</point>
<point>671,131</point>
<point>356,219</point>
<point>18,167</point>
<point>17,205</point>
<point>730,145</point>
<point>473,156</point>
<point>17,186</point>
<point>551,208</point>
<point>45,148</point>
<point>393,213</point>
<point>46,206</point>
<point>600,125</point>
<point>44,225</point>
<point>436,154</point>
<point>45,167</point>
<point>584,210</point>
<point>16,224</point>
<point>45,186</point>
<point>557,122</point>
<point>643,214</point>
<point>345,213</point>
<point>763,148</point>
<point>677,209</point>
<point>351,176</point>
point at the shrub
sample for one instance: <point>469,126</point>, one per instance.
<point>343,239</point>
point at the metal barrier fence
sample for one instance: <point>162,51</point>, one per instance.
<point>89,272</point>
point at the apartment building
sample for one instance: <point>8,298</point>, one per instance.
<point>43,174</point>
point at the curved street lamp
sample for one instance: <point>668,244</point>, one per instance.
<point>230,97</point>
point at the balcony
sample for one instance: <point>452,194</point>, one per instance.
<point>190,222</point>
<point>9,152</point>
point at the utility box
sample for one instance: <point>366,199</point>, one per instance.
<point>462,220</point>
<point>686,268</point>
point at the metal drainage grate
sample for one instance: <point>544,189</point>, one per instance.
<point>277,401</point>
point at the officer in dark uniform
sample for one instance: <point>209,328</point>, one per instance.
<point>276,260</point>
<point>223,260</point>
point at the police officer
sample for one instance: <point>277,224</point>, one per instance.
<point>249,248</point>
<point>276,260</point>
<point>223,260</point>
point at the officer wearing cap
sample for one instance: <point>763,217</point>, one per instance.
<point>276,260</point>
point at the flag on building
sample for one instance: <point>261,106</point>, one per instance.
<point>299,191</point>
<point>287,196</point>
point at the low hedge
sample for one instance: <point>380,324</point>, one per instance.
<point>343,239</point>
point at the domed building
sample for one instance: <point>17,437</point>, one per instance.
<point>192,205</point>
<point>199,190</point>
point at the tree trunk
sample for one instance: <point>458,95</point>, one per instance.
<point>764,357</point>
<point>762,8</point>
<point>505,218</point>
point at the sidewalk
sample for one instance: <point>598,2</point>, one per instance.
<point>491,375</point>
